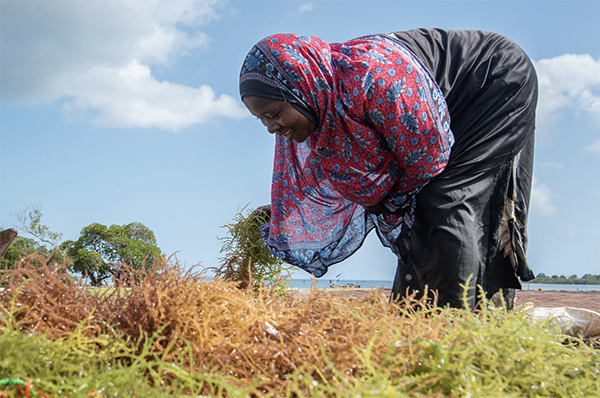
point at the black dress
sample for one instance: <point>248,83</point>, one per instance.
<point>470,221</point>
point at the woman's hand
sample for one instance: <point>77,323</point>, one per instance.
<point>375,209</point>
<point>263,212</point>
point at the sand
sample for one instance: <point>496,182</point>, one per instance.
<point>589,300</point>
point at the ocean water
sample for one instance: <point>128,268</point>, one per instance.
<point>570,288</point>
<point>323,283</point>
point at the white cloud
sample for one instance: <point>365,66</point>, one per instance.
<point>95,56</point>
<point>306,7</point>
<point>595,147</point>
<point>540,200</point>
<point>569,81</point>
<point>132,97</point>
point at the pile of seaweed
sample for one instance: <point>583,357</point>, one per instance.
<point>175,333</point>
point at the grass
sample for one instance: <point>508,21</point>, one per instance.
<point>176,334</point>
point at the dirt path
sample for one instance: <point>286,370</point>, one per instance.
<point>589,300</point>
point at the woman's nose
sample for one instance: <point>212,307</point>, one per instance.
<point>273,126</point>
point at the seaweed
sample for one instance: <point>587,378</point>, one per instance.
<point>177,333</point>
<point>247,259</point>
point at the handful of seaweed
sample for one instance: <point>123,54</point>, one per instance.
<point>247,259</point>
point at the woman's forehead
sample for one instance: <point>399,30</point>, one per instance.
<point>259,105</point>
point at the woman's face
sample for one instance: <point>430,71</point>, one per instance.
<point>281,118</point>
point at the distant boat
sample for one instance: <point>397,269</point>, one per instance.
<point>350,285</point>
<point>336,284</point>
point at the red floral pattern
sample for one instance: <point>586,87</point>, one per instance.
<point>384,132</point>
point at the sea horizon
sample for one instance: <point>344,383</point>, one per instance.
<point>324,283</point>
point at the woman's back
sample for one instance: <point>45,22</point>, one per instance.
<point>488,82</point>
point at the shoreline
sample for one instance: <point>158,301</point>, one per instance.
<point>323,283</point>
<point>585,299</point>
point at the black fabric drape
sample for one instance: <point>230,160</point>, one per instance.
<point>490,87</point>
<point>461,217</point>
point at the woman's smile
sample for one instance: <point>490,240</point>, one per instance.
<point>288,135</point>
<point>280,118</point>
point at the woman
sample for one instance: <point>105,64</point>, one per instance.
<point>424,135</point>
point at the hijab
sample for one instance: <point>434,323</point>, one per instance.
<point>258,88</point>
<point>383,132</point>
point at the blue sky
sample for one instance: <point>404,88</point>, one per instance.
<point>122,111</point>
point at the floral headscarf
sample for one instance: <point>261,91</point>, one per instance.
<point>383,133</point>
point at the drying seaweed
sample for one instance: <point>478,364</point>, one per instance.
<point>176,334</point>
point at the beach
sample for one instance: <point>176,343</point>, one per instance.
<point>589,300</point>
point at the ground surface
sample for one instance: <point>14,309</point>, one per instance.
<point>589,300</point>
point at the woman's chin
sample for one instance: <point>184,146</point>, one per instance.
<point>299,137</point>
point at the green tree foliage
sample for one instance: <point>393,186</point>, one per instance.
<point>31,222</point>
<point>20,247</point>
<point>587,279</point>
<point>100,251</point>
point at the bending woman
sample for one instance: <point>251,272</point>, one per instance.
<point>425,136</point>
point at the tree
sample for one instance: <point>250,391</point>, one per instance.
<point>30,219</point>
<point>587,279</point>
<point>101,251</point>
<point>19,247</point>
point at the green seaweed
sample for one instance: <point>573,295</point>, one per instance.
<point>104,366</point>
<point>247,259</point>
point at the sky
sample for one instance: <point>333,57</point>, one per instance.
<point>114,112</point>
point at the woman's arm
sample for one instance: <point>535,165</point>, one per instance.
<point>263,211</point>
<point>375,209</point>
